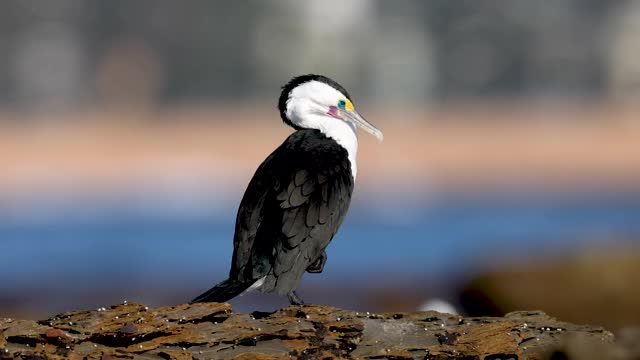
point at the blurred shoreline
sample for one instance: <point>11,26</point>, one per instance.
<point>448,149</point>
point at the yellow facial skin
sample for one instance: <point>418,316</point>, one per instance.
<point>348,105</point>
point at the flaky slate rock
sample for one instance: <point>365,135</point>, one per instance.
<point>214,331</point>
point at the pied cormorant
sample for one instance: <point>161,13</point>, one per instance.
<point>299,195</point>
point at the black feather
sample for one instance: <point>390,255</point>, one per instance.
<point>223,291</point>
<point>286,217</point>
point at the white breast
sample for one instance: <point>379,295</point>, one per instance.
<point>344,134</point>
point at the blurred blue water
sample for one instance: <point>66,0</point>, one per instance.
<point>86,247</point>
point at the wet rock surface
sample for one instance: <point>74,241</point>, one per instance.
<point>214,331</point>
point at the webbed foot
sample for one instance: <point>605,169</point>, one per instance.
<point>318,265</point>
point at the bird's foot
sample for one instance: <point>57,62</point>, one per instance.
<point>318,265</point>
<point>294,299</point>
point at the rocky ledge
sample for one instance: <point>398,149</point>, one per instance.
<point>214,331</point>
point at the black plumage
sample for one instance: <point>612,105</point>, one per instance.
<point>291,210</point>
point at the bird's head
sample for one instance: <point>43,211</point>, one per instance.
<point>317,102</point>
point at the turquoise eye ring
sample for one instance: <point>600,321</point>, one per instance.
<point>342,104</point>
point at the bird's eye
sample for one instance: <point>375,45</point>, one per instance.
<point>342,104</point>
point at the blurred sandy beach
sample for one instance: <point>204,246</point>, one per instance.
<point>558,148</point>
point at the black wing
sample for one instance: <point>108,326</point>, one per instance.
<point>292,208</point>
<point>250,217</point>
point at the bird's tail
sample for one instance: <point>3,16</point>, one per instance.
<point>223,291</point>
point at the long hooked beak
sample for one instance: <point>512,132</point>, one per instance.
<point>358,120</point>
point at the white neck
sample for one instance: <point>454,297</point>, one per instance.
<point>343,132</point>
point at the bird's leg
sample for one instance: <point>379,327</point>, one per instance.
<point>294,299</point>
<point>318,265</point>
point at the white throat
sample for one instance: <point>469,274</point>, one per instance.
<point>344,133</point>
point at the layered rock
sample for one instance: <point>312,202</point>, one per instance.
<point>214,331</point>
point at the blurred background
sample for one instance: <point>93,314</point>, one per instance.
<point>509,177</point>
